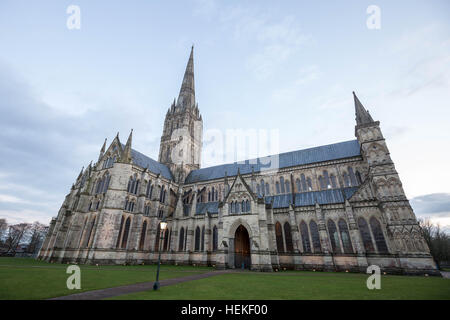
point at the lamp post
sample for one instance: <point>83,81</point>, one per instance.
<point>163,226</point>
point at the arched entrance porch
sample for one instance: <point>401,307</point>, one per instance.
<point>242,248</point>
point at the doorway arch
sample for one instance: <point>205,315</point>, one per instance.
<point>242,248</point>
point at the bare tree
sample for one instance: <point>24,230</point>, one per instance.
<point>437,240</point>
<point>3,228</point>
<point>16,233</point>
<point>37,231</point>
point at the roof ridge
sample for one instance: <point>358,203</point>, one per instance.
<point>339,150</point>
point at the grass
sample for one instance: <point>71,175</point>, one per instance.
<point>301,285</point>
<point>24,278</point>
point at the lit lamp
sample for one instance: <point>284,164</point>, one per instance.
<point>162,228</point>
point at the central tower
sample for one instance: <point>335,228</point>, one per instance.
<point>181,140</point>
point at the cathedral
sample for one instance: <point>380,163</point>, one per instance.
<point>338,207</point>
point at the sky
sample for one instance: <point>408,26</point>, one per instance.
<point>284,66</point>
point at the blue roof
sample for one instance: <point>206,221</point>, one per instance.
<point>329,152</point>
<point>203,207</point>
<point>310,198</point>
<point>154,166</point>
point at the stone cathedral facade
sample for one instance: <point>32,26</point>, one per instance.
<point>334,207</point>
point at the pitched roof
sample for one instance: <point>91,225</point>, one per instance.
<point>310,198</point>
<point>154,166</point>
<point>204,207</point>
<point>334,151</point>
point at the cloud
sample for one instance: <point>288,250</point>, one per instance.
<point>25,215</point>
<point>278,39</point>
<point>431,203</point>
<point>273,39</point>
<point>435,207</point>
<point>43,147</point>
<point>290,92</point>
<point>11,199</point>
<point>205,8</point>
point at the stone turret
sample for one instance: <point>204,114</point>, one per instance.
<point>126,153</point>
<point>402,228</point>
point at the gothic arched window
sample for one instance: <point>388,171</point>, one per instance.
<point>185,238</point>
<point>120,232</point>
<point>322,183</point>
<point>333,181</point>
<point>215,238</point>
<point>267,189</point>
<point>143,233</point>
<point>277,185</point>
<point>345,236</point>
<point>298,185</point>
<point>288,187</point>
<point>247,205</point>
<point>262,187</point>
<point>107,180</point>
<point>158,236</point>
<point>181,240</point>
<point>125,233</point>
<point>288,237</point>
<point>148,191</point>
<point>303,180</point>
<point>203,239</point>
<point>352,176</point>
<point>282,185</point>
<point>136,187</point>
<point>315,236</point>
<point>365,235</point>
<point>346,180</point>
<point>166,239</point>
<point>279,237</point>
<point>309,183</point>
<point>305,237</point>
<point>334,236</point>
<point>358,177</point>
<point>378,234</point>
<point>197,239</point>
<point>129,184</point>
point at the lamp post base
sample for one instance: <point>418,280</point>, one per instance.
<point>156,285</point>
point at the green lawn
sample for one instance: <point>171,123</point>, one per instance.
<point>24,278</point>
<point>301,285</point>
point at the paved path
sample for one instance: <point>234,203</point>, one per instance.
<point>445,274</point>
<point>137,287</point>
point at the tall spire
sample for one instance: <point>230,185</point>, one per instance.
<point>362,115</point>
<point>186,98</point>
